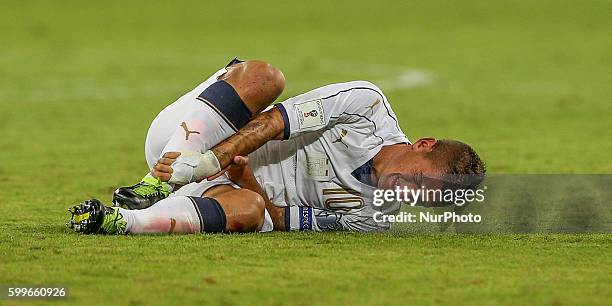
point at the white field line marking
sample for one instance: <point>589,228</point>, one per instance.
<point>409,78</point>
<point>387,76</point>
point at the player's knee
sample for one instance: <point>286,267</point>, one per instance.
<point>248,215</point>
<point>258,83</point>
<point>255,210</point>
<point>272,80</point>
<point>267,82</point>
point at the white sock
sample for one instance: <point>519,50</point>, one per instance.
<point>170,215</point>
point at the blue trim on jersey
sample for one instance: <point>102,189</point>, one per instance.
<point>222,97</point>
<point>364,173</point>
<point>287,129</point>
<point>305,219</point>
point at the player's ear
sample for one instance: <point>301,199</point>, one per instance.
<point>424,144</point>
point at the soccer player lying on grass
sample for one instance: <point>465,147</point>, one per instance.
<point>338,144</point>
<point>201,118</point>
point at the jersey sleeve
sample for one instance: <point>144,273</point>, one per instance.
<point>348,102</point>
<point>302,218</point>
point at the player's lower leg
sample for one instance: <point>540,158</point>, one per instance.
<point>172,215</point>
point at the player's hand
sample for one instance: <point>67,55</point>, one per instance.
<point>162,168</point>
<point>237,170</point>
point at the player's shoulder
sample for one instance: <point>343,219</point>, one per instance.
<point>358,84</point>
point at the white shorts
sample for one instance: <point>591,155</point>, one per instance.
<point>198,189</point>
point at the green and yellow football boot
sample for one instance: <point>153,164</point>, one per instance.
<point>142,195</point>
<point>92,217</point>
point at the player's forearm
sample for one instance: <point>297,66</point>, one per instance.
<point>276,213</point>
<point>266,126</point>
<point>278,217</point>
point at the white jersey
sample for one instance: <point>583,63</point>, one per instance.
<point>332,133</point>
<point>186,124</point>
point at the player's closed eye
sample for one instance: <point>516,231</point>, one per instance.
<point>416,180</point>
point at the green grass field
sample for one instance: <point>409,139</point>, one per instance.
<point>528,83</point>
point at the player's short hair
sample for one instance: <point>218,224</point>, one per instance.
<point>461,163</point>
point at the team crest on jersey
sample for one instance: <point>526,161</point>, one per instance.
<point>310,114</point>
<point>318,167</point>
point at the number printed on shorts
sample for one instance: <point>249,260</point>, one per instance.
<point>340,199</point>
